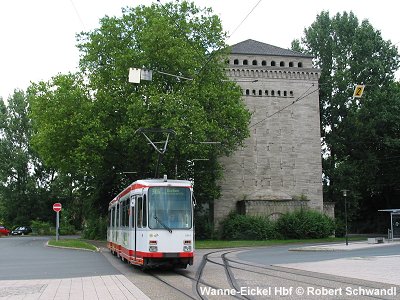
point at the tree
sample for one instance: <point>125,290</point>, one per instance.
<point>22,194</point>
<point>349,52</point>
<point>85,123</point>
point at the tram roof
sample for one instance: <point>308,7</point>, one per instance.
<point>162,182</point>
<point>146,183</point>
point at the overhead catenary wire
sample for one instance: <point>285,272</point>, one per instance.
<point>210,56</point>
<point>78,15</point>
<point>245,18</point>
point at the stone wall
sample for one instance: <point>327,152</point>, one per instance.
<point>273,209</point>
<point>281,160</point>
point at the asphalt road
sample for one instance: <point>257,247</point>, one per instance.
<point>28,257</point>
<point>282,255</point>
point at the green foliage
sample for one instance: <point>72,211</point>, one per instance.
<point>85,123</point>
<point>95,228</point>
<point>203,227</point>
<point>242,227</point>
<point>42,228</point>
<point>23,177</point>
<point>66,228</point>
<point>302,224</point>
<point>47,228</point>
<point>305,224</point>
<point>360,136</point>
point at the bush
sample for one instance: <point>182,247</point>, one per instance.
<point>95,228</point>
<point>67,229</point>
<point>305,224</point>
<point>243,227</point>
<point>203,227</point>
<point>42,228</point>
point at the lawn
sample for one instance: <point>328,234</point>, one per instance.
<point>72,243</point>
<point>215,244</point>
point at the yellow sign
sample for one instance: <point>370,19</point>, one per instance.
<point>358,91</point>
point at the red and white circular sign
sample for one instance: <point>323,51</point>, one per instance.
<point>57,207</point>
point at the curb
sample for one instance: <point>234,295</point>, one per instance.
<point>72,248</point>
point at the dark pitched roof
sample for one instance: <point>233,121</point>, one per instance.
<point>255,47</point>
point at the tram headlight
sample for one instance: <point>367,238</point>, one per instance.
<point>187,248</point>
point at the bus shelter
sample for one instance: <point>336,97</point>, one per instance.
<point>394,231</point>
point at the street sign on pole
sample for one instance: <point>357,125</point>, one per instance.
<point>57,208</point>
<point>358,91</point>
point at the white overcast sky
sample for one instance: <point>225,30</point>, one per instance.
<point>38,36</point>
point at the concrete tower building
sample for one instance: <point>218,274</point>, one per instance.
<point>279,168</point>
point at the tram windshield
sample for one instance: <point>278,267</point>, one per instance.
<point>170,208</point>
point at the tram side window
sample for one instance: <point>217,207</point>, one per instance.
<point>117,216</point>
<point>139,202</point>
<point>132,214</point>
<point>144,212</point>
<point>141,212</point>
<point>111,217</point>
<point>125,212</point>
<point>122,213</point>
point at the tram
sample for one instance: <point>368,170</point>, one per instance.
<point>151,223</point>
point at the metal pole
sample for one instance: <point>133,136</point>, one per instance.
<point>57,225</point>
<point>391,226</point>
<point>345,216</point>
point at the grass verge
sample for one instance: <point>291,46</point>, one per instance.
<point>216,244</point>
<point>72,243</point>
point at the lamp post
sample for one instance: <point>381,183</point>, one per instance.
<point>345,215</point>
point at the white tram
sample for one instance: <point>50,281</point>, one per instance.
<point>151,223</point>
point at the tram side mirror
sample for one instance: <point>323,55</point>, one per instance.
<point>194,200</point>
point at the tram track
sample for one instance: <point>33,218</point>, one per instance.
<point>303,277</point>
<point>220,271</point>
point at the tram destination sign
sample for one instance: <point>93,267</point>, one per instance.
<point>57,207</point>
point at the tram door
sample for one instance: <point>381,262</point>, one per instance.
<point>116,224</point>
<point>141,221</point>
<point>111,218</point>
<point>132,223</point>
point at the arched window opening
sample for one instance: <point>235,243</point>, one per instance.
<point>264,63</point>
<point>247,92</point>
<point>285,94</point>
<point>282,64</point>
<point>254,63</point>
<point>259,92</point>
<point>236,62</point>
<point>266,92</point>
<point>273,63</point>
<point>291,64</point>
<point>300,64</point>
<point>272,93</point>
<point>279,93</point>
<point>245,62</point>
<point>254,92</point>
<point>291,93</point>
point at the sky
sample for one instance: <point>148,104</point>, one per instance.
<point>38,36</point>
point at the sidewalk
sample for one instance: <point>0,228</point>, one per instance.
<point>343,247</point>
<point>383,269</point>
<point>88,288</point>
